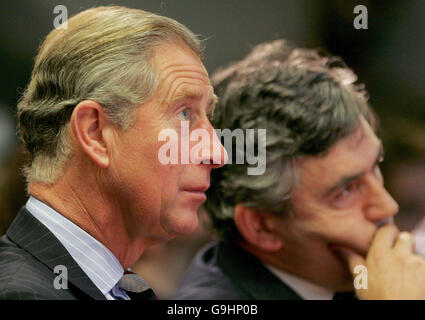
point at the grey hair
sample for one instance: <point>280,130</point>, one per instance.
<point>306,101</point>
<point>105,55</point>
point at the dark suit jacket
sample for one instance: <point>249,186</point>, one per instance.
<point>28,254</point>
<point>223,271</point>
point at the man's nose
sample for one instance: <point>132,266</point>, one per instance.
<point>218,153</point>
<point>381,204</point>
<point>213,152</point>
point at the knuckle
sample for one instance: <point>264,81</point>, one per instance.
<point>405,236</point>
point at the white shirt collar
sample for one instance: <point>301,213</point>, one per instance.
<point>96,260</point>
<point>306,289</point>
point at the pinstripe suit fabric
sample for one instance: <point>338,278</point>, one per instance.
<point>29,253</point>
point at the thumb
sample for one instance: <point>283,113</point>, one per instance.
<point>352,258</point>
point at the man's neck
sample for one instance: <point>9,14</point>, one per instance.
<point>85,206</point>
<point>326,272</point>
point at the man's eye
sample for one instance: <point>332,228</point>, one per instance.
<point>378,174</point>
<point>184,115</point>
<point>347,191</point>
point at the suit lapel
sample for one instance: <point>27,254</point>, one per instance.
<point>250,276</point>
<point>31,235</point>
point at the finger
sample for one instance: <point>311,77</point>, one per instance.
<point>384,239</point>
<point>405,242</point>
<point>352,258</point>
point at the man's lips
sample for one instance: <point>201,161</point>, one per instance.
<point>383,222</point>
<point>197,191</point>
<point>200,189</point>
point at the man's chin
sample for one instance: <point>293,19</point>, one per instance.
<point>343,277</point>
<point>185,225</point>
<point>337,251</point>
<point>348,285</point>
<point>362,251</point>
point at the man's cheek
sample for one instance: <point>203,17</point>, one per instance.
<point>359,240</point>
<point>347,234</point>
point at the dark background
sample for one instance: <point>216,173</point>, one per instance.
<point>388,57</point>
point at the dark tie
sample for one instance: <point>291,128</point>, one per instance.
<point>345,296</point>
<point>135,287</point>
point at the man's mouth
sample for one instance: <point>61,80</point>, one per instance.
<point>197,191</point>
<point>383,222</point>
<point>200,188</point>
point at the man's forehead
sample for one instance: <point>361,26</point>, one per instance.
<point>174,58</point>
<point>177,67</point>
<point>362,139</point>
<point>349,157</point>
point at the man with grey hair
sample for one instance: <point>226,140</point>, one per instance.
<point>100,93</point>
<point>312,221</point>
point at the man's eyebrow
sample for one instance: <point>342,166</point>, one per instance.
<point>348,179</point>
<point>343,182</point>
<point>189,94</point>
<point>192,94</point>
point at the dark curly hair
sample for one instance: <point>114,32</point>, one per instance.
<point>306,101</point>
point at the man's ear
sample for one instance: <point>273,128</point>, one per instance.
<point>254,227</point>
<point>88,121</point>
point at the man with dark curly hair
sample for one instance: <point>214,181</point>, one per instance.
<point>320,213</point>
